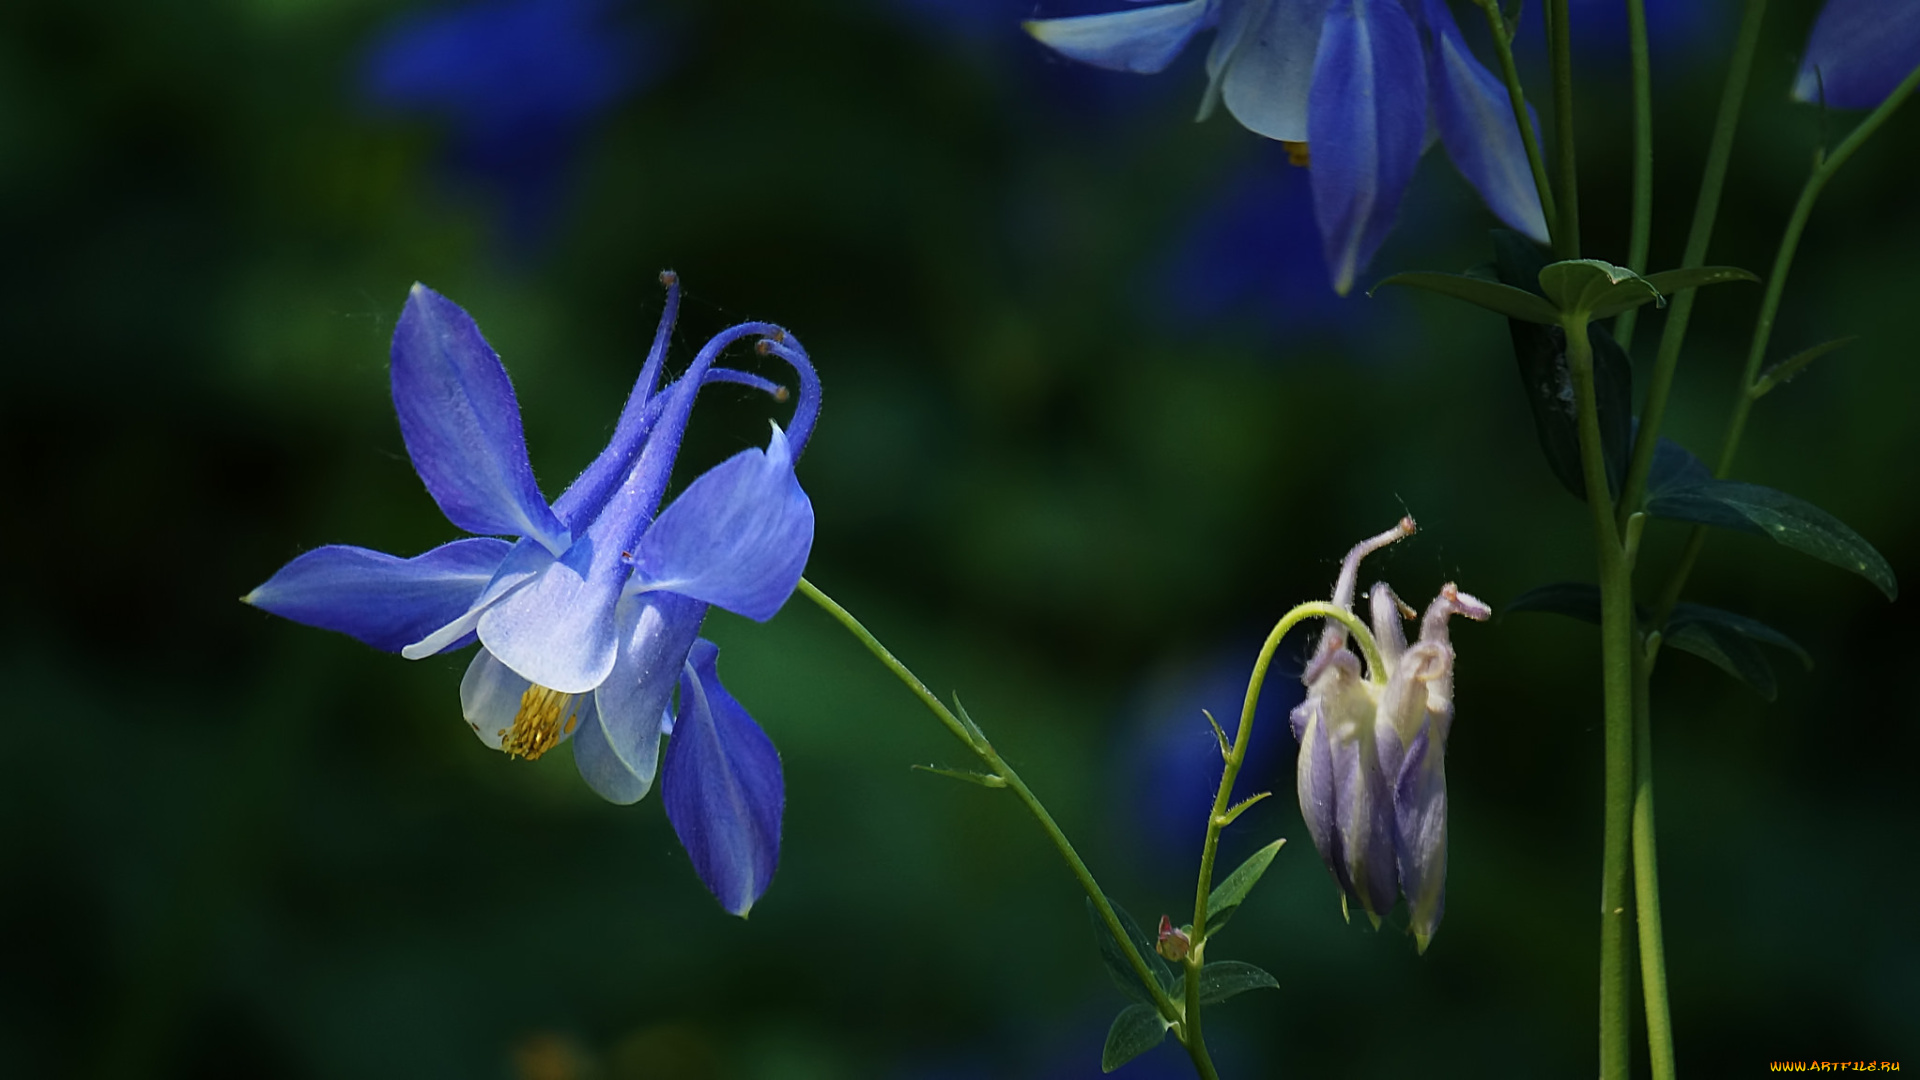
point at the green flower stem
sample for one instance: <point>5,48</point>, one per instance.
<point>1640,227</point>
<point>1566,238</point>
<point>1503,45</point>
<point>978,743</point>
<point>1646,870</point>
<point>1219,818</point>
<point>1706,208</point>
<point>1824,166</point>
<point>1616,653</point>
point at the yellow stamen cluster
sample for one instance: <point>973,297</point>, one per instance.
<point>538,727</point>
<point>1297,153</point>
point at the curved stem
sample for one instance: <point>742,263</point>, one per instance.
<point>977,742</point>
<point>1706,207</point>
<point>1566,238</point>
<point>1646,873</point>
<point>1503,45</point>
<point>1640,229</point>
<point>1616,645</point>
<point>1825,165</point>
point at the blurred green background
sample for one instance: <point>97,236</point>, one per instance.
<point>1092,421</point>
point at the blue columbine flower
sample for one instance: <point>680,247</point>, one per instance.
<point>590,619</point>
<point>1858,52</point>
<point>1372,769</point>
<point>1348,86</point>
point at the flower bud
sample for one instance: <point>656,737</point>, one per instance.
<point>1174,941</point>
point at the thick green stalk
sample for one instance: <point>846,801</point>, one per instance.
<point>1706,208</point>
<point>1824,166</point>
<point>1640,228</point>
<point>1236,756</point>
<point>1566,238</point>
<point>977,742</point>
<point>1517,96</point>
<point>1646,870</point>
<point>1616,657</point>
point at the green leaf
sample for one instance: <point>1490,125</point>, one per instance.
<point>1683,490</point>
<point>1119,969</point>
<point>1574,599</point>
<point>1492,295</point>
<point>987,780</point>
<point>1231,813</point>
<point>1670,282</point>
<point>1548,383</point>
<point>1226,897</point>
<point>1727,650</point>
<point>1786,369</point>
<point>1739,624</point>
<point>1226,747</point>
<point>1598,289</point>
<point>973,729</point>
<point>1138,1029</point>
<point>1225,978</point>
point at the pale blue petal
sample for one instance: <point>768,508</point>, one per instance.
<point>557,629</point>
<point>1270,74</point>
<point>737,537</point>
<point>461,423</point>
<point>1475,117</point>
<point>1142,41</point>
<point>619,754</point>
<point>1858,52</point>
<point>1369,119</point>
<point>723,787</point>
<point>383,600</point>
<point>1420,834</point>
<point>523,559</point>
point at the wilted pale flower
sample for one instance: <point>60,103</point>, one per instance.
<point>1350,86</point>
<point>590,620</point>
<point>1858,52</point>
<point>1372,770</point>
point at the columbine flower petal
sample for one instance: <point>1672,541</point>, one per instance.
<point>501,708</point>
<point>383,600</point>
<point>1270,66</point>
<point>1368,119</point>
<point>737,537</point>
<point>1475,117</point>
<point>461,424</point>
<point>619,755</point>
<point>1858,52</point>
<point>1142,41</point>
<point>723,787</point>
<point>558,628</point>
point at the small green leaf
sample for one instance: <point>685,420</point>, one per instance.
<point>1226,748</point>
<point>1234,811</point>
<point>1138,1029</point>
<point>1505,299</point>
<point>1685,491</point>
<point>1727,650</point>
<point>1786,369</point>
<point>1597,289</point>
<point>1670,282</point>
<point>1226,897</point>
<point>1119,968</point>
<point>973,729</point>
<point>989,780</point>
<point>1574,599</point>
<point>1225,978</point>
<point>1739,624</point>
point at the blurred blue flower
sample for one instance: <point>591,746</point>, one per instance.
<point>1372,767</point>
<point>518,83</point>
<point>590,619</point>
<point>1348,87</point>
<point>1858,52</point>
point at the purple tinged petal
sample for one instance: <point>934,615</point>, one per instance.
<point>461,424</point>
<point>381,599</point>
<point>723,787</point>
<point>738,537</point>
<point>1270,71</point>
<point>1367,118</point>
<point>521,562</point>
<point>1142,41</point>
<point>1859,51</point>
<point>1386,609</point>
<point>1420,835</point>
<point>1475,117</point>
<point>1315,784</point>
<point>619,756</point>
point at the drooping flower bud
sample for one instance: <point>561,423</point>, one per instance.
<point>1372,775</point>
<point>1174,941</point>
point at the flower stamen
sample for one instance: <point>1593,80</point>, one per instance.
<point>538,727</point>
<point>1297,153</point>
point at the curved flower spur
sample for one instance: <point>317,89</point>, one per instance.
<point>590,619</point>
<point>1372,769</point>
